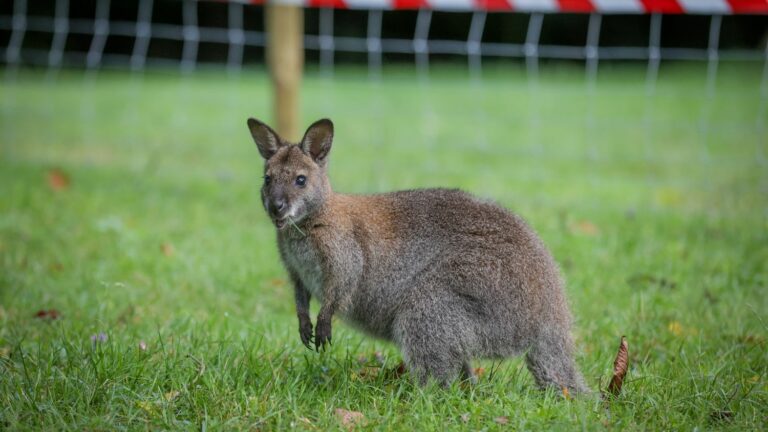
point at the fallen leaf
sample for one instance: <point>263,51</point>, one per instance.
<point>502,420</point>
<point>349,419</point>
<point>721,415</point>
<point>585,227</point>
<point>393,373</point>
<point>147,406</point>
<point>751,339</point>
<point>369,372</point>
<point>566,393</point>
<point>479,372</point>
<point>306,421</point>
<point>51,314</point>
<point>277,282</point>
<point>171,395</point>
<point>675,328</point>
<point>465,418</point>
<point>167,249</point>
<point>620,366</point>
<point>57,179</point>
<point>400,370</point>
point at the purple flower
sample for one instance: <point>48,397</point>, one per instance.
<point>99,338</point>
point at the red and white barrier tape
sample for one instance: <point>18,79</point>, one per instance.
<point>724,7</point>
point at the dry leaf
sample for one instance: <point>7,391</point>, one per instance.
<point>57,179</point>
<point>720,416</point>
<point>479,372</point>
<point>51,314</point>
<point>306,421</point>
<point>167,249</point>
<point>465,418</point>
<point>502,420</point>
<point>349,419</point>
<point>147,406</point>
<point>751,339</point>
<point>675,328</point>
<point>400,370</point>
<point>585,227</point>
<point>369,372</point>
<point>620,366</point>
<point>566,393</point>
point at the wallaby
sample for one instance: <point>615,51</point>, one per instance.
<point>445,276</point>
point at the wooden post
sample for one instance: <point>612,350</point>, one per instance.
<point>285,55</point>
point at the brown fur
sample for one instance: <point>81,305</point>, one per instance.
<point>444,275</point>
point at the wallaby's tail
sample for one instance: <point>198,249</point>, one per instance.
<point>550,361</point>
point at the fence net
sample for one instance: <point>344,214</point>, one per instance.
<point>188,33</point>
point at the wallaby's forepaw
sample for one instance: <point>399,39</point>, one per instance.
<point>305,331</point>
<point>322,334</point>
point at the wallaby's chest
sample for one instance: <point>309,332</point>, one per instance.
<point>302,258</point>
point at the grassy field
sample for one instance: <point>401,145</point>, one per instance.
<point>129,206</point>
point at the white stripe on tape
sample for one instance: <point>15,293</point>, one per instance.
<point>369,4</point>
<point>458,5</point>
<point>705,6</point>
<point>617,6</point>
<point>536,5</point>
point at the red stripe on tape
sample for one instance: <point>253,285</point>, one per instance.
<point>576,6</point>
<point>410,4</point>
<point>493,5</point>
<point>662,6</point>
<point>336,4</point>
<point>749,6</point>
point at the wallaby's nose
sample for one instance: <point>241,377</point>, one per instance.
<point>279,207</point>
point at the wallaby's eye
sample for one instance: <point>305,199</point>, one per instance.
<point>301,180</point>
<point>267,179</point>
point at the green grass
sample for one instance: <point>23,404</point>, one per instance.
<point>656,207</point>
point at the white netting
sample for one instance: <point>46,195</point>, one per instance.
<point>242,30</point>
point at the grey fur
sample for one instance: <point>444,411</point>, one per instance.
<point>444,275</point>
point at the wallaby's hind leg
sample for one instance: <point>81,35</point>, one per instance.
<point>431,344</point>
<point>550,360</point>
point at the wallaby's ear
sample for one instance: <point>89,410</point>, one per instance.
<point>266,139</point>
<point>317,140</point>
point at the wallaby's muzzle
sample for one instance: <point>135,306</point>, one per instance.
<point>278,209</point>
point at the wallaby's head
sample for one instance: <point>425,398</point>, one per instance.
<point>295,178</point>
